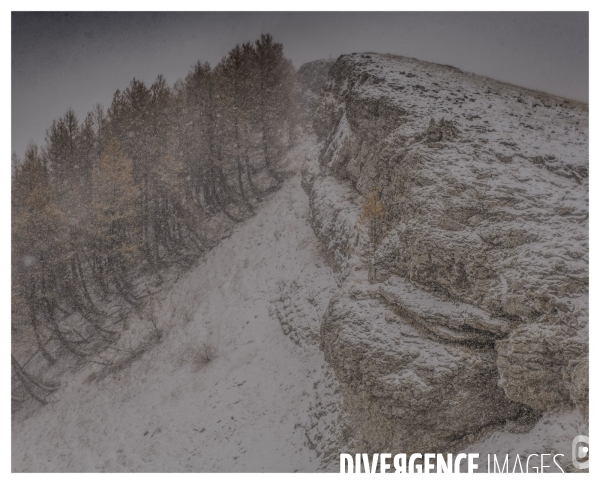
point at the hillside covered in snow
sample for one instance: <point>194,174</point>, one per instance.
<point>418,282</point>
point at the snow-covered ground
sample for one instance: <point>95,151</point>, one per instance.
<point>265,402</point>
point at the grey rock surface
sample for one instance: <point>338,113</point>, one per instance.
<point>472,309</point>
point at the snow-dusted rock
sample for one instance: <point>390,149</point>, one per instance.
<point>484,264</point>
<point>410,391</point>
<point>544,366</point>
<point>333,217</point>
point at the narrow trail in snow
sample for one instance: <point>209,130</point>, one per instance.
<point>249,409</point>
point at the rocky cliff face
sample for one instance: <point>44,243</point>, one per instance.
<point>469,309</point>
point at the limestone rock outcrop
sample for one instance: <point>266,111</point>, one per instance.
<point>472,308</point>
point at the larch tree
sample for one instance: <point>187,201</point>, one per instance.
<point>116,202</point>
<point>271,112</point>
<point>139,186</point>
<point>371,221</point>
<point>39,244</point>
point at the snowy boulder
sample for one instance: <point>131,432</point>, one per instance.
<point>543,367</point>
<point>409,391</point>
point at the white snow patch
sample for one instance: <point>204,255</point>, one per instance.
<point>251,408</point>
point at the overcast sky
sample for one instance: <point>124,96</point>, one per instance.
<point>62,60</point>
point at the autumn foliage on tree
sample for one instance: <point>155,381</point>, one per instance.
<point>134,189</point>
<point>117,214</point>
<point>372,221</point>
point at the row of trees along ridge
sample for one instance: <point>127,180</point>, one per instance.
<point>132,189</point>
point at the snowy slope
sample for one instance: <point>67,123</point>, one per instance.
<point>481,274</point>
<point>251,408</point>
